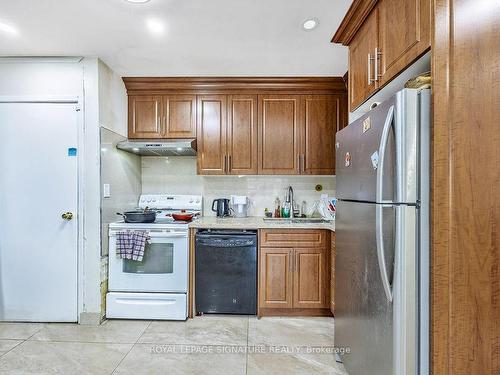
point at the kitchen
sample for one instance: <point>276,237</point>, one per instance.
<point>275,187</point>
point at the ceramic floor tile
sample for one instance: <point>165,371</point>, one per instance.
<point>293,364</point>
<point>6,345</point>
<point>290,331</point>
<point>19,331</point>
<point>36,357</point>
<point>158,359</point>
<point>112,331</point>
<point>205,330</point>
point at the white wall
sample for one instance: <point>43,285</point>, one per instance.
<point>177,175</point>
<point>112,100</point>
<point>119,169</point>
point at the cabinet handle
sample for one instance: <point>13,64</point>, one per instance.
<point>370,79</point>
<point>224,169</point>
<point>378,54</point>
<point>303,158</point>
<point>229,163</point>
<point>369,70</point>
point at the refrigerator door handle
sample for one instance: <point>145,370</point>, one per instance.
<point>379,192</point>
<point>379,234</point>
<point>379,231</point>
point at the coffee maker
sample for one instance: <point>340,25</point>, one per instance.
<point>221,207</point>
<point>240,205</point>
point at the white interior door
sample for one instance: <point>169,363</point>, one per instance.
<point>38,183</point>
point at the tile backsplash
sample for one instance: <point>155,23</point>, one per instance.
<point>122,170</point>
<point>177,175</point>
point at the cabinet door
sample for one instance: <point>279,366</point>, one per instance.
<point>361,67</point>
<point>318,144</point>
<point>144,116</point>
<point>211,139</point>
<point>404,34</point>
<point>179,116</point>
<point>279,138</point>
<point>275,278</point>
<point>242,134</point>
<point>311,279</point>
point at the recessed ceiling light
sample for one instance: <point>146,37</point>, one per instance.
<point>137,1</point>
<point>8,29</point>
<point>180,149</point>
<point>310,24</point>
<point>135,149</point>
<point>155,26</point>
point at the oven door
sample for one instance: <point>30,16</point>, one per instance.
<point>164,267</point>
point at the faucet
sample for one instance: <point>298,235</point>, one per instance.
<point>289,199</point>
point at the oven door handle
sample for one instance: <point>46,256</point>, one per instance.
<point>160,235</point>
<point>168,235</point>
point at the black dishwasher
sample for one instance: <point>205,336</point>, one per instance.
<point>226,272</point>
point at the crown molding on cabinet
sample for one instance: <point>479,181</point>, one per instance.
<point>138,85</point>
<point>354,18</point>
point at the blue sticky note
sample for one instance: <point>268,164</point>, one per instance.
<point>72,151</point>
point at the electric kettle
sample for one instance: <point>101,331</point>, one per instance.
<point>221,207</point>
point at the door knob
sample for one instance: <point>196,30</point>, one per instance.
<point>67,216</point>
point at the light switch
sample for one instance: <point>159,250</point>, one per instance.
<point>106,191</point>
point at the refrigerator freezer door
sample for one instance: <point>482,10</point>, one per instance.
<point>364,314</point>
<point>358,156</point>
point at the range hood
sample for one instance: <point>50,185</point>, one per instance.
<point>165,147</point>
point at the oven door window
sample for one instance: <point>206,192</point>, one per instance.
<point>158,259</point>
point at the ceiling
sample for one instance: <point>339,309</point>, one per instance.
<point>199,37</point>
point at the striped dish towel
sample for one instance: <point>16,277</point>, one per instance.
<point>130,244</point>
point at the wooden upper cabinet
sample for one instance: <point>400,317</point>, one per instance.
<point>384,37</point>
<point>404,34</point>
<point>322,118</point>
<point>312,277</point>
<point>362,83</point>
<point>211,120</point>
<point>242,134</point>
<point>179,116</point>
<point>280,119</point>
<point>276,278</point>
<point>167,116</point>
<point>244,125</point>
<point>144,116</point>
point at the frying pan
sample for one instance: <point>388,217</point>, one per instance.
<point>139,216</point>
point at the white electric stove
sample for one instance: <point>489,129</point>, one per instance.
<point>156,287</point>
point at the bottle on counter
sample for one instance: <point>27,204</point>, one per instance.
<point>287,207</point>
<point>277,207</point>
<point>303,209</point>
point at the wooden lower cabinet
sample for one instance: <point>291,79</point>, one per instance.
<point>294,276</point>
<point>311,279</point>
<point>276,278</point>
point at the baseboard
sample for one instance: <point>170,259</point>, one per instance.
<point>294,312</point>
<point>88,318</point>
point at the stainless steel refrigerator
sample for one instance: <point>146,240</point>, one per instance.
<point>382,238</point>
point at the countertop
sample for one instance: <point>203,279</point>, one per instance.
<point>254,223</point>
